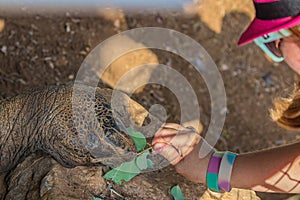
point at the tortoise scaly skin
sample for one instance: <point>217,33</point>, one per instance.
<point>44,120</point>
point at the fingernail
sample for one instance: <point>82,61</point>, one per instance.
<point>158,147</point>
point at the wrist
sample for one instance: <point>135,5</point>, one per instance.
<point>204,159</point>
<point>204,165</point>
<point>218,175</point>
<point>192,167</point>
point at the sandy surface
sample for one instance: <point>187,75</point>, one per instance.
<point>42,50</point>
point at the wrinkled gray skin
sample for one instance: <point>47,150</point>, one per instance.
<point>45,120</point>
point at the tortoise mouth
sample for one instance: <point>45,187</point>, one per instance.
<point>128,144</point>
<point>129,147</point>
<point>113,150</point>
<point>110,157</point>
<point>120,140</point>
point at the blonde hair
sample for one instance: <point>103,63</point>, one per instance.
<point>295,30</point>
<point>286,111</point>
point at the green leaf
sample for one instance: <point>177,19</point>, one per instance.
<point>149,163</point>
<point>96,198</point>
<point>177,193</point>
<point>138,139</point>
<point>141,160</point>
<point>125,172</point>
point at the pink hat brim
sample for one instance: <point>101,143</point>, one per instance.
<point>258,28</point>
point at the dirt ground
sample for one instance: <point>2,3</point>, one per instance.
<point>41,50</point>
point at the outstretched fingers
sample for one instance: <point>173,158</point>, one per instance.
<point>174,142</point>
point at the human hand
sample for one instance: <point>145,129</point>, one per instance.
<point>181,147</point>
<point>174,142</point>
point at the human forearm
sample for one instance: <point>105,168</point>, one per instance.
<point>261,171</point>
<point>272,170</point>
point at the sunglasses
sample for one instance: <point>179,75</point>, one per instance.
<point>269,45</point>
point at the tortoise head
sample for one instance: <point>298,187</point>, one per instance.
<point>89,134</point>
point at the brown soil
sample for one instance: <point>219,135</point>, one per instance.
<point>43,50</point>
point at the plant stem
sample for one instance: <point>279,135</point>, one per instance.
<point>143,151</point>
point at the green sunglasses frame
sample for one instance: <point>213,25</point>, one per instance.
<point>262,41</point>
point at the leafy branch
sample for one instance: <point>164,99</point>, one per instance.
<point>127,170</point>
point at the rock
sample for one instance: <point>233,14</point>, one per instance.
<point>24,181</point>
<point>125,63</point>
<point>234,194</point>
<point>141,187</point>
<point>214,20</point>
<point>76,183</point>
<point>4,50</point>
<point>2,25</point>
<point>114,15</point>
